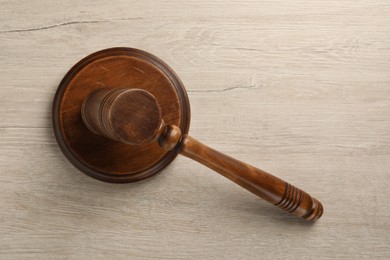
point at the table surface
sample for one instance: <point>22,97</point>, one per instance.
<point>298,88</point>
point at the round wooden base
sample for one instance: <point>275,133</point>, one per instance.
<point>98,156</point>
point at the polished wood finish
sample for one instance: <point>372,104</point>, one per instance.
<point>104,158</point>
<point>259,182</point>
<point>133,116</point>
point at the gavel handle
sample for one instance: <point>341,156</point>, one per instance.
<point>259,182</point>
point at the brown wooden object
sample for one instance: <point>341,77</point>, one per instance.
<point>106,159</point>
<point>130,123</point>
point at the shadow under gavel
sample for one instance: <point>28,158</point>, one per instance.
<point>133,116</point>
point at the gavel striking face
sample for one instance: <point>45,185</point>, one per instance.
<point>133,117</point>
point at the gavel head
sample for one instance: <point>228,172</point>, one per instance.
<point>131,116</point>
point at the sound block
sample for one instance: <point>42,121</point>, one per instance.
<point>101,157</point>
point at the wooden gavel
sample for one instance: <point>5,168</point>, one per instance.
<point>133,117</point>
<point>122,115</point>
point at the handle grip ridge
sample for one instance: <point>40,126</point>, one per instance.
<point>294,199</point>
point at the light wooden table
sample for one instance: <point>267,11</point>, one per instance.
<point>298,88</point>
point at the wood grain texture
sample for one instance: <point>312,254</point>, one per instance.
<point>116,67</point>
<point>307,82</point>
